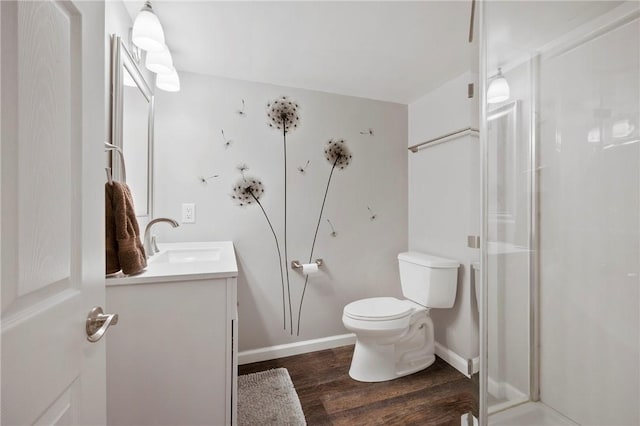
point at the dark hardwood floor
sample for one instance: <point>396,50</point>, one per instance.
<point>438,395</point>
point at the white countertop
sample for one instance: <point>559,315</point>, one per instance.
<point>218,261</point>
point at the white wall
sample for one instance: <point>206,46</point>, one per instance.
<point>589,230</point>
<point>359,262</point>
<point>117,21</point>
<point>444,194</point>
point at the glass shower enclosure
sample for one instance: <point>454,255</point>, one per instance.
<point>560,159</point>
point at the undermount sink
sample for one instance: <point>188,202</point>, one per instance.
<point>187,255</point>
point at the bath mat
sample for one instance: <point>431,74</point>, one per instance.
<point>268,398</point>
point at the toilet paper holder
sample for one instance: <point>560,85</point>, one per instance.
<point>295,264</point>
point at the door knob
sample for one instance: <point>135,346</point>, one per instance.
<point>98,322</point>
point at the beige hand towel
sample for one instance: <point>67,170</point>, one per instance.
<point>131,255</point>
<point>111,242</point>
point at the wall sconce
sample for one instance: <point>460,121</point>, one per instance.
<point>498,90</point>
<point>147,32</point>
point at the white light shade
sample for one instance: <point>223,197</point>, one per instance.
<point>160,62</point>
<point>147,32</point>
<point>498,90</point>
<point>168,82</point>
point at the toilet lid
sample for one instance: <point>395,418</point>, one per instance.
<point>378,308</point>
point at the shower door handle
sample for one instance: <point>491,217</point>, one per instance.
<point>98,322</point>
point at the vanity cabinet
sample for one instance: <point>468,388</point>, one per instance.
<point>172,359</point>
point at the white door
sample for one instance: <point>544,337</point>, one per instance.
<point>52,126</point>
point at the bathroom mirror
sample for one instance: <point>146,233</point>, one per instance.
<point>132,127</point>
<point>502,144</point>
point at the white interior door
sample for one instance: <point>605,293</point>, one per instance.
<point>52,124</point>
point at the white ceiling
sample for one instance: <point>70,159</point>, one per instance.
<point>394,51</point>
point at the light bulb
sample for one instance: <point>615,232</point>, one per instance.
<point>147,32</point>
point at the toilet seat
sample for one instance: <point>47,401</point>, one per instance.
<point>378,309</point>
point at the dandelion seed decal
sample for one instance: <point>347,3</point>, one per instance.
<point>303,169</point>
<point>227,142</point>
<point>367,132</point>
<point>338,155</point>
<point>204,180</point>
<point>373,215</point>
<point>248,191</point>
<point>333,231</point>
<point>241,112</point>
<point>283,114</point>
<point>242,168</point>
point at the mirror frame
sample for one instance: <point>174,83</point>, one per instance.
<point>121,59</point>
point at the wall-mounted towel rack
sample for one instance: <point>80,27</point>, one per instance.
<point>444,138</point>
<point>111,147</point>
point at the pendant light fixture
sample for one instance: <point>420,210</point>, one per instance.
<point>498,90</point>
<point>147,32</point>
<point>168,82</point>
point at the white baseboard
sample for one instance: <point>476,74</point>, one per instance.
<point>289,349</point>
<point>504,390</point>
<point>475,365</point>
<point>456,361</point>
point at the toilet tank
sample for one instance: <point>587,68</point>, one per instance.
<point>428,280</point>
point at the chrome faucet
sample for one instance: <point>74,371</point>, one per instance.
<point>149,247</point>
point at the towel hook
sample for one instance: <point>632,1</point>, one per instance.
<point>111,147</point>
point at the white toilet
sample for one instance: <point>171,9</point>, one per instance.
<point>394,337</point>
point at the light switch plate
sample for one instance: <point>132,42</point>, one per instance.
<point>188,213</point>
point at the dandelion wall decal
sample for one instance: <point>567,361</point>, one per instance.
<point>247,191</point>
<point>303,169</point>
<point>241,112</point>
<point>204,180</point>
<point>227,142</point>
<point>367,132</point>
<point>333,231</point>
<point>284,115</point>
<point>338,155</point>
<point>372,216</point>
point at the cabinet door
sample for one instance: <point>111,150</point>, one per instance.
<point>169,365</point>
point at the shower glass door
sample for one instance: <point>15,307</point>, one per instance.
<point>561,212</point>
